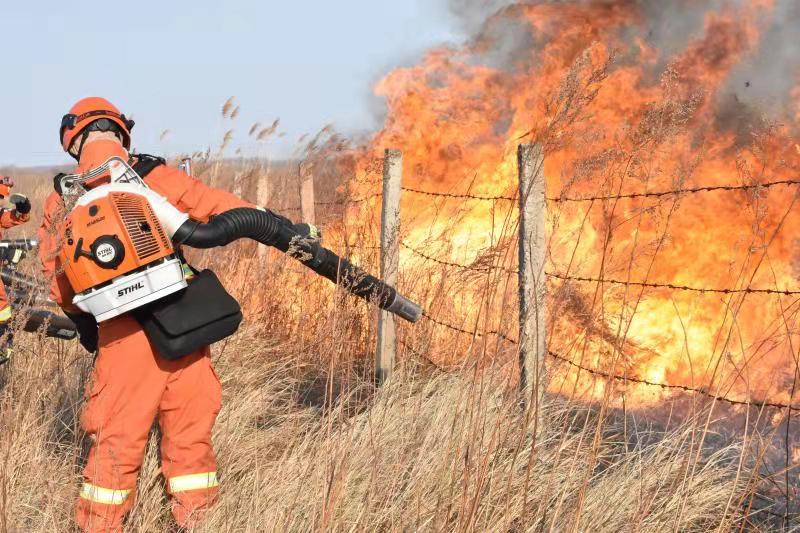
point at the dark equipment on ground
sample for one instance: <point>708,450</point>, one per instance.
<point>24,293</point>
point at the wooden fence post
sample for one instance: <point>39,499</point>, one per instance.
<point>307,192</point>
<point>263,193</point>
<point>390,259</point>
<point>532,314</point>
<point>186,166</point>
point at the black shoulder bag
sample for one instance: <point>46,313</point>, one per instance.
<point>185,321</point>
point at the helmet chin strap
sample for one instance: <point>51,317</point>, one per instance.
<point>95,152</point>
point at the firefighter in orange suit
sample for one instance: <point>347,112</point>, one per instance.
<point>131,383</point>
<point>8,219</point>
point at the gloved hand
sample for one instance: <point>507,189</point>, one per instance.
<point>308,230</point>
<point>303,228</point>
<point>21,203</point>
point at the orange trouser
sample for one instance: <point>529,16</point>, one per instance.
<point>131,384</point>
<point>5,306</point>
<point>6,336</point>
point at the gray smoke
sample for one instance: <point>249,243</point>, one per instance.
<point>765,79</point>
<point>759,85</point>
<point>471,15</point>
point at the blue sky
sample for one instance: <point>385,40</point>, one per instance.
<point>172,64</point>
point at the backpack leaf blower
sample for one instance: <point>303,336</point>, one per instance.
<point>119,245</point>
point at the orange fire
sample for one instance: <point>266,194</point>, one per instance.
<point>615,116</point>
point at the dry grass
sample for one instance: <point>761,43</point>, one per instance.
<point>306,448</point>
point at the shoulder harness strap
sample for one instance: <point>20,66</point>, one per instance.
<point>143,166</point>
<point>57,182</point>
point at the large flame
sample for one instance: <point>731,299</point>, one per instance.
<point>615,115</point>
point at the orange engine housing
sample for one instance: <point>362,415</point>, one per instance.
<point>110,237</point>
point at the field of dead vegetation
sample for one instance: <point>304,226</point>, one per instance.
<point>307,442</point>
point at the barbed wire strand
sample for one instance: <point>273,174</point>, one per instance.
<point>565,199</point>
<point>463,196</point>
<point>348,201</point>
<point>675,192</point>
<point>666,386</point>
<point>650,285</point>
<point>653,194</point>
<point>461,330</point>
<point>746,290</point>
<point>442,262</point>
<point>685,388</point>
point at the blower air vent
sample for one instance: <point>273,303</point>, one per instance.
<point>158,229</point>
<point>141,228</point>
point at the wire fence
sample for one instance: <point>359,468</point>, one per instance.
<point>681,191</point>
<point>564,198</point>
<point>475,332</point>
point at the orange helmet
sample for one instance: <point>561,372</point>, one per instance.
<point>5,187</point>
<point>99,113</point>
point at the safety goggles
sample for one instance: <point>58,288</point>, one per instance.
<point>70,121</point>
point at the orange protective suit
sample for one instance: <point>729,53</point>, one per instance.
<point>132,384</point>
<point>8,219</point>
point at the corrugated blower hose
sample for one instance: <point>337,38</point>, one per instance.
<point>271,230</point>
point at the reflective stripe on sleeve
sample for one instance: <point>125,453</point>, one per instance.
<point>5,314</point>
<point>97,494</point>
<point>203,480</point>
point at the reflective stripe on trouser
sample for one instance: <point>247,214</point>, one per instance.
<point>204,480</point>
<point>130,386</point>
<point>6,336</point>
<point>103,495</point>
